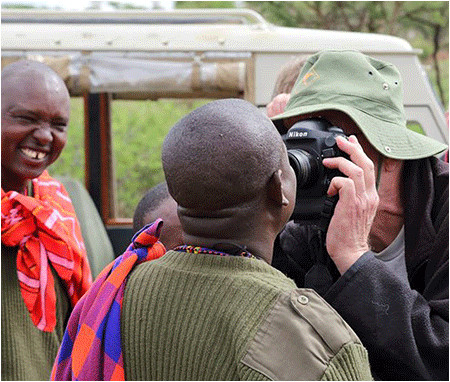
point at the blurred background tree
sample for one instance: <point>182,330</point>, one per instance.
<point>205,4</point>
<point>425,24</point>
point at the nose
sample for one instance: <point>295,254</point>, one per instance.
<point>43,134</point>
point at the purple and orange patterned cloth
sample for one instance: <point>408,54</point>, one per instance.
<point>91,349</point>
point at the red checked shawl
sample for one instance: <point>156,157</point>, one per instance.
<point>46,230</point>
<point>91,349</point>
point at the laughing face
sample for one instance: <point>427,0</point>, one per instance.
<point>35,117</point>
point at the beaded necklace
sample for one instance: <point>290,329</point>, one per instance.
<point>236,251</point>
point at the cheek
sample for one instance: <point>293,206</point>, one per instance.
<point>6,152</point>
<point>13,135</point>
<point>369,150</point>
<point>59,142</point>
<point>11,131</point>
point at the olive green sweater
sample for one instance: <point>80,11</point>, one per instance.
<point>206,317</point>
<point>27,352</point>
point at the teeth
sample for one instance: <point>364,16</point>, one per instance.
<point>33,154</point>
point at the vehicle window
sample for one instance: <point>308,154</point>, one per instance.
<point>138,132</point>
<point>71,162</point>
<point>415,126</point>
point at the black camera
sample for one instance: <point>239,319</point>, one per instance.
<point>308,142</point>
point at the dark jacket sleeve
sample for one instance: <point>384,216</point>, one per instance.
<point>404,323</point>
<point>405,334</point>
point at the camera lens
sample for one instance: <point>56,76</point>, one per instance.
<point>305,167</point>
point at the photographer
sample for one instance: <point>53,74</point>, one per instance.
<point>394,296</point>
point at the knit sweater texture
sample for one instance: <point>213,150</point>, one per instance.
<point>196,317</point>
<point>27,352</point>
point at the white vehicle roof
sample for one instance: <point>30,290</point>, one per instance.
<point>184,30</point>
<point>211,53</point>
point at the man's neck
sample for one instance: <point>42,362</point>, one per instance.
<point>231,246</point>
<point>243,227</point>
<point>12,184</point>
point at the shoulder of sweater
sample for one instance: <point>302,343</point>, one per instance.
<point>299,338</point>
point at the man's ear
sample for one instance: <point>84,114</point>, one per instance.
<point>275,189</point>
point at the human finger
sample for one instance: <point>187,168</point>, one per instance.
<point>347,235</point>
<point>340,185</point>
<point>350,169</point>
<point>359,157</point>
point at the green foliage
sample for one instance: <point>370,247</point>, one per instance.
<point>139,129</point>
<point>444,67</point>
<point>204,4</point>
<point>425,24</point>
<point>71,161</point>
<point>21,6</point>
<point>124,6</point>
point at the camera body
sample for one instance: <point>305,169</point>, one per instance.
<point>308,142</point>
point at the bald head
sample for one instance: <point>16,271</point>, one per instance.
<point>28,68</point>
<point>221,155</point>
<point>33,80</point>
<point>35,116</point>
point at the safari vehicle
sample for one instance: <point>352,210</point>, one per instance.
<point>183,54</point>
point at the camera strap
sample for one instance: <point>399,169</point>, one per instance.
<point>327,213</point>
<point>319,276</point>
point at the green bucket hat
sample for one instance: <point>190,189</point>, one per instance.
<point>369,91</point>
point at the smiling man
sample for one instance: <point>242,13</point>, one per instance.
<point>35,117</point>
<point>44,266</point>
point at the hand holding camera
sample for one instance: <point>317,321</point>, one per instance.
<point>335,184</point>
<point>348,232</point>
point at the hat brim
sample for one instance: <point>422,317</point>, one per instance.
<point>390,139</point>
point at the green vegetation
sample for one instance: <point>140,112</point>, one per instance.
<point>424,24</point>
<point>71,161</point>
<point>138,131</point>
<point>444,69</point>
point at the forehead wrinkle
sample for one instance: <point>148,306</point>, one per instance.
<point>40,94</point>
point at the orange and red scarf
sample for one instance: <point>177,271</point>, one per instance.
<point>91,349</point>
<point>46,231</point>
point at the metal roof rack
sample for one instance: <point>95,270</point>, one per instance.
<point>179,16</point>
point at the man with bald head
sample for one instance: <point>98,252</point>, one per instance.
<point>214,308</point>
<point>44,265</point>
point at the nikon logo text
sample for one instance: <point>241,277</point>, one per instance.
<point>298,134</point>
